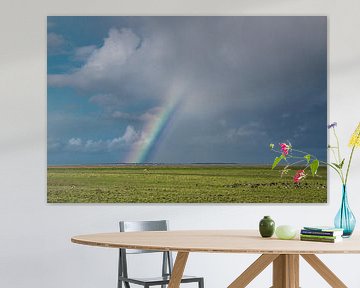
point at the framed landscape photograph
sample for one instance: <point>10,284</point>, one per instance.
<point>170,109</point>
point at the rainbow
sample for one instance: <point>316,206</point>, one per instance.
<point>153,133</point>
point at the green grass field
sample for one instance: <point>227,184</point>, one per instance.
<point>181,184</point>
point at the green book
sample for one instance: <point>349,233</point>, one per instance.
<point>319,236</point>
<point>325,240</point>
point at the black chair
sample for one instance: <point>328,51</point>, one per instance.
<point>167,265</point>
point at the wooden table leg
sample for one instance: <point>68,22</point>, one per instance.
<point>253,270</point>
<point>293,262</point>
<point>324,271</point>
<point>286,271</point>
<point>178,269</point>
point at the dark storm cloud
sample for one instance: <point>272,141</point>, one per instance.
<point>264,78</point>
<point>245,81</point>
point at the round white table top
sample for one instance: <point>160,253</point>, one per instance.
<point>217,241</point>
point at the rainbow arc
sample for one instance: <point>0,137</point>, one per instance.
<point>154,130</point>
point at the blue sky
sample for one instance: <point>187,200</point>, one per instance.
<point>185,89</point>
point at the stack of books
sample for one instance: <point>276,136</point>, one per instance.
<point>321,234</point>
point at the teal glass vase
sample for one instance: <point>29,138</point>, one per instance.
<point>345,219</point>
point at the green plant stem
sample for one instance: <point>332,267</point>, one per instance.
<point>338,145</point>
<point>303,152</point>
<point>336,169</point>
<point>294,157</point>
<point>322,162</point>
<point>333,152</point>
<point>339,162</point>
<point>297,162</point>
<point>339,171</point>
<point>348,167</point>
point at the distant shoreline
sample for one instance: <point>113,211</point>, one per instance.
<point>157,165</point>
<point>175,165</point>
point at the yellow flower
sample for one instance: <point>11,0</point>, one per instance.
<point>355,138</point>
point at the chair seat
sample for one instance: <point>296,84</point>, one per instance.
<point>158,280</point>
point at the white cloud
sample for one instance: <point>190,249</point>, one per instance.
<point>75,142</point>
<point>252,129</point>
<point>55,43</point>
<point>55,40</point>
<point>106,101</point>
<point>83,53</point>
<point>117,49</point>
<point>147,116</point>
<point>125,69</point>
<point>93,146</point>
<point>121,115</point>
<point>103,64</point>
<point>151,114</point>
<point>130,137</point>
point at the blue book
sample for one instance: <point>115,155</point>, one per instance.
<point>322,231</point>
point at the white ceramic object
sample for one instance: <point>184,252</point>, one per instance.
<point>285,232</point>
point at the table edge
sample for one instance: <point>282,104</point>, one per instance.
<point>206,250</point>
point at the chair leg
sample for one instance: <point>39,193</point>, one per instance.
<point>201,283</point>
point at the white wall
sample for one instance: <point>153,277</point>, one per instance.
<point>35,248</point>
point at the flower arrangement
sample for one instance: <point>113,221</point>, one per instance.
<point>293,157</point>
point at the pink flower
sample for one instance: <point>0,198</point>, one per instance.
<point>284,148</point>
<point>299,175</point>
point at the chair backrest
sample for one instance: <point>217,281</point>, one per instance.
<point>134,226</point>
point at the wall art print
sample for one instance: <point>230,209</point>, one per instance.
<point>182,109</point>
